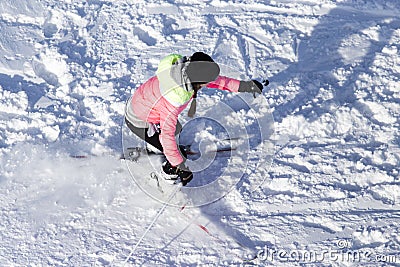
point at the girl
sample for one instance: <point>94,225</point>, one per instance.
<point>152,112</point>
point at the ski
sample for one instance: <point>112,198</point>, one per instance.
<point>221,145</point>
<point>218,150</point>
<point>121,156</point>
<point>79,156</point>
<point>130,153</point>
<point>134,153</point>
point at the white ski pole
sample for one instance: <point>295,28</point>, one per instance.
<point>152,223</point>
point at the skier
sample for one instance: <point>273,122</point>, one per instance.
<point>152,111</point>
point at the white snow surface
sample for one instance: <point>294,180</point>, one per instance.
<point>333,189</point>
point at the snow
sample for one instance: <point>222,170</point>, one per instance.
<point>317,164</point>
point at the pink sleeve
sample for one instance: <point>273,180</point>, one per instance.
<point>168,120</point>
<point>225,83</point>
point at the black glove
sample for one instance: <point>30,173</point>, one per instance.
<point>177,172</point>
<point>184,174</point>
<point>252,86</point>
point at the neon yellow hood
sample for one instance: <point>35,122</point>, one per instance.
<point>170,88</point>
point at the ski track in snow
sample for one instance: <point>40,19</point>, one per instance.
<point>67,68</point>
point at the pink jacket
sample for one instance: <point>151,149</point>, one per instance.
<point>150,106</point>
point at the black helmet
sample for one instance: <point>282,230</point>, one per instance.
<point>202,68</point>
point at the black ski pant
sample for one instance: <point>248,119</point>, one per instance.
<point>152,140</point>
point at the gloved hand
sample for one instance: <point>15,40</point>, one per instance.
<point>184,174</point>
<point>174,173</point>
<point>252,86</point>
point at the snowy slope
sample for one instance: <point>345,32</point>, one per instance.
<point>67,68</point>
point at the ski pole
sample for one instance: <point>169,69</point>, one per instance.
<point>152,223</point>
